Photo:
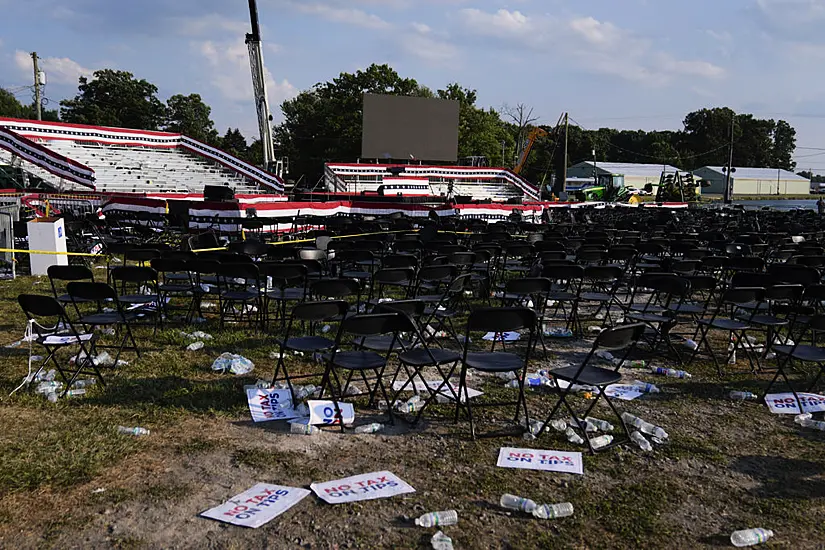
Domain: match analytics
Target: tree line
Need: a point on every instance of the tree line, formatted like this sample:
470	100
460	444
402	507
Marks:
323	124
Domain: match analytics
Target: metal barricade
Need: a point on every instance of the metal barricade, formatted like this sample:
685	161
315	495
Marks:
8	215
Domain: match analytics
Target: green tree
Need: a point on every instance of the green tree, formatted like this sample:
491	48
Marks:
190	116
234	143
10	107
115	98
784	144
324	124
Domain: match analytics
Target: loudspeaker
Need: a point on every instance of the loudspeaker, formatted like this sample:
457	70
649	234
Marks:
218	193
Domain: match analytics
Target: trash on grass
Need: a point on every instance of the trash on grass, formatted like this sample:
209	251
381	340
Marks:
361	487
440	541
553	511
538	459
195	346
268	502
236	364
136	431
437	519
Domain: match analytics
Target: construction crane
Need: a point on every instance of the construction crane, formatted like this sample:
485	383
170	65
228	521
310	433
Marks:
256	63
534	134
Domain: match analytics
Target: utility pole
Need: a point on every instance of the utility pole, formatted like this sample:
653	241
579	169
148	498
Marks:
37	99
561	186
728	195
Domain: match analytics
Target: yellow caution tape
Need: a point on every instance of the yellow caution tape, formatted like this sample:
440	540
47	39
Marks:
51	252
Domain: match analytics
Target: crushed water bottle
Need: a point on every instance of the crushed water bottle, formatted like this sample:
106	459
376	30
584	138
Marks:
512	502
304	429
646	387
643	426
353	390
440	541
573	437
807	421
553	511
558	425
601	441
584	425
600	424
413	404
369	428
440	519
302	392
691	345
509	375
234	363
672	373
195	346
76	393
136	431
750	537
641	441
742	396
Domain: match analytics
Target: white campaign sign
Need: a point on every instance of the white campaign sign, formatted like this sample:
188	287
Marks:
257	506
625	392
502	336
269	404
536	459
323	412
361	487
785	403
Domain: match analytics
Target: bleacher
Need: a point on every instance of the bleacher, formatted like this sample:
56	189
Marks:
73	157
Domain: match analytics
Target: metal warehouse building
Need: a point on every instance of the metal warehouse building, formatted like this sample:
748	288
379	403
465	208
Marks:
621	173
754	181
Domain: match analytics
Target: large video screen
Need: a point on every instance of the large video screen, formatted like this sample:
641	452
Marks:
401	127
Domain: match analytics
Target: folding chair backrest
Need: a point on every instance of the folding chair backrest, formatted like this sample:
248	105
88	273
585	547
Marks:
501	319
784	292
603	273
248	272
335	288
70	273
619	337
817	323
412	308
284	274
528	286
95	292
373	324
745	279
743	295
437	273
142	255
563	272
319	311
134	274
38	306
398	261
312	254
795	274
393	275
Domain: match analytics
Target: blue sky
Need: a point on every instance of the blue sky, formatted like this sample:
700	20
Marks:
621	63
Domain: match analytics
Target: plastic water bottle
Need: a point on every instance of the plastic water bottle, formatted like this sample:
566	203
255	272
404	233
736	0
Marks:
646	387
584	425
742	396
440	541
691	344
303	392
750	537
643	426
535	427
369	429
806	421
672	373
76	393
304	429
601	441
635	364
573	437
600	424
509	375
136	431
512	502
558	425
84	383
440	519
195	346
640	440
512	384
605	355
553	511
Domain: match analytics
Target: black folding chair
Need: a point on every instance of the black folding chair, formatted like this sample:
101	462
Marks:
175	280
241	296
621	338
137	288
496	320
53	330
67	273
102	295
802	353
305	313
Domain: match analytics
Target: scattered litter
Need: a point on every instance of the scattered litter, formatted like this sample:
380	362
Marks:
742	396
197	335
640	440
267	502
601	441
437	519
643	426
369	428
323	412
98	491
594	329
361	487
690	344
520	504
36	358
236	364
573	437
553	511
502	336
786	403
353	390
302	392
84	383
195	346
508	375
559	333
646	387
413	404
136	431
625	392
750	537
303	429
672	373
440	541
600	424
16	344
537	459
75	393
807	421
266	404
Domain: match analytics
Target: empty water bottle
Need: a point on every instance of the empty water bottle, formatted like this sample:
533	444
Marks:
304	429
643	426
136	431
84	383
605	355
440	541
584	425
573	437
302	392
558	425
750	537
512	502
512	384
369	428
742	395
601	441
76	393
691	345
535	426
640	440
195	346
509	375
807	421
553	511
440	519
646	387
600	424
673	373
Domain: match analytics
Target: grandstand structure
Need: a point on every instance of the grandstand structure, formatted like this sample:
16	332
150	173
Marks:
479	183
74	157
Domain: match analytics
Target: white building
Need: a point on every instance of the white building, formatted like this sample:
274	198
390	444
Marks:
621	174
754	181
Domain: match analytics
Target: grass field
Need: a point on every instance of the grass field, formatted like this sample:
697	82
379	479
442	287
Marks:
69	480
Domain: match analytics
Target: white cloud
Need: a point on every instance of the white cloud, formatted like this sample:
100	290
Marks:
349	16
229	73
59	70
595	46
210	25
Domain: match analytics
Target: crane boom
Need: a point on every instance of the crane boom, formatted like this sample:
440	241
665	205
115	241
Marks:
534	134
256	63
